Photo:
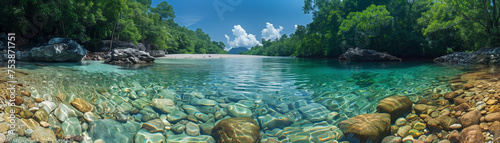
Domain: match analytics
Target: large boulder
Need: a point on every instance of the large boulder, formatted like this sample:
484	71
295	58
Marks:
396	106
364	55
472	134
57	50
158	53
236	130
128	56
482	56
366	127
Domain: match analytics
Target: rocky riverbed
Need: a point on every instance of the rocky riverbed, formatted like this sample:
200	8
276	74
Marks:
53	105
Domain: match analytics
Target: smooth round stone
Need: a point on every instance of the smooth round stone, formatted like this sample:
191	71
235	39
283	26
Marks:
314	112
164	105
367	127
238	111
202	116
392	139
30	123
121	117
82	105
148	114
43	135
4	126
90	116
85	126
269	122
41	115
112	131
26	114
192	129
54	122
206	128
140	103
455	126
204	102
71	126
401	121
207	109
183	138
239	129
178	128
44	124
143	136
48	106
64	111
28	132
154	126
403	131
176	116
3	138
125	107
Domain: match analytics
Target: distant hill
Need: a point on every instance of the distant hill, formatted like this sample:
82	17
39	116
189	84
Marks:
237	50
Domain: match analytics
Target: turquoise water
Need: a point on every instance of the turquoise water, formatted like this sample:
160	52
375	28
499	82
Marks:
258	83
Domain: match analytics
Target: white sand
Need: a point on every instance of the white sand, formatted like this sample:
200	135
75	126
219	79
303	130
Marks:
207	56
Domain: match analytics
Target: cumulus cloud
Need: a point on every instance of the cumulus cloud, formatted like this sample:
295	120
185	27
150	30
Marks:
296	27
242	39
270	32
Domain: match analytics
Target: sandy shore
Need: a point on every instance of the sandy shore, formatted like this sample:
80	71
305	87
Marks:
207	56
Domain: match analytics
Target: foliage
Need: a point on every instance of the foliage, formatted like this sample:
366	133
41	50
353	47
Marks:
413	28
91	21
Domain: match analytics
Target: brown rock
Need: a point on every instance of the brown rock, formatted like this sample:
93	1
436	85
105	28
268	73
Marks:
420	108
454	136
470	118
392	139
82	105
468	86
472	134
367	127
450	95
494	108
495	129
396	106
446	122
19	100
462	107
492	101
492	117
26	93
459	101
236	130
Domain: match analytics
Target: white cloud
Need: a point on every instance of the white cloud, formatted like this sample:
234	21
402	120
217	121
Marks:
296	27
270	32
242	39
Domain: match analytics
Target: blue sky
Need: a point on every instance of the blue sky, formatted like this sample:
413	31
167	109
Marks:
252	16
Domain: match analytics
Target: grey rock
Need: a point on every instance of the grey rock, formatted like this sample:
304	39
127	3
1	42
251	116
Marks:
129	56
365	55
58	50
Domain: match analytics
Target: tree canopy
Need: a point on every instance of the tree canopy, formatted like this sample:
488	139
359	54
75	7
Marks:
91	21
413	28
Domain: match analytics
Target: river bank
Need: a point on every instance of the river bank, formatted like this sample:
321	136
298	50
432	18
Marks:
207	56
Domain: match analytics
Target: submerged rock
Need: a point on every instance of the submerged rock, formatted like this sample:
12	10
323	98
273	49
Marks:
472	134
41	134
365	55
143	136
314	112
237	130
366	127
82	105
111	131
470	118
183	138
71	126
396	106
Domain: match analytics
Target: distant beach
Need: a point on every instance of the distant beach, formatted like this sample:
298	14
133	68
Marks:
207	56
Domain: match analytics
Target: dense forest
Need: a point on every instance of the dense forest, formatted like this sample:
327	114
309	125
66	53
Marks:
91	21
409	28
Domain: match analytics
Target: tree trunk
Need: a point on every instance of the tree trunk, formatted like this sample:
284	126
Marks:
114	29
486	18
